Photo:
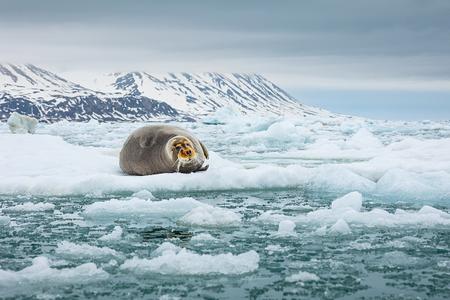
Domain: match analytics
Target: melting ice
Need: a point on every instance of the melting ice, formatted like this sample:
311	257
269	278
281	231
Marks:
290	207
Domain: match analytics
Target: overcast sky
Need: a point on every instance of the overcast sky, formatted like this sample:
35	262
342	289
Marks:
374	58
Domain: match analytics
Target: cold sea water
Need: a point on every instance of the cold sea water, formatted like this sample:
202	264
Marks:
291	208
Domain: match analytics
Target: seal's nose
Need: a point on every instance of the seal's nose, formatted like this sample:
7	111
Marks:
188	152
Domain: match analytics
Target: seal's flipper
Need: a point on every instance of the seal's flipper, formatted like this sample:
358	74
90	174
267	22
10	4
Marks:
203	168
205	151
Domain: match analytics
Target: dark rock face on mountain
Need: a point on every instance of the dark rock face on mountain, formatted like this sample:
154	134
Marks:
134	96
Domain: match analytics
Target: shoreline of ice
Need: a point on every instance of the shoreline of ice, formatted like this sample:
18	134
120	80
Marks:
345	155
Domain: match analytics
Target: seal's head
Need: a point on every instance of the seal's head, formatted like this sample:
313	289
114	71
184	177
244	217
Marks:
182	149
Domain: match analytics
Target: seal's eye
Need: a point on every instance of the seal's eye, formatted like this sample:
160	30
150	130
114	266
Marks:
178	147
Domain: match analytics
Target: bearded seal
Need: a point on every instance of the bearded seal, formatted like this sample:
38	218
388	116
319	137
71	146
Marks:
159	149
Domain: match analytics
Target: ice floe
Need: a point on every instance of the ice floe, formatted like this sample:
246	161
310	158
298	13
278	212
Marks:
340	227
286	228
302	277
339	154
30	206
67	249
40	272
136	207
115	235
426	216
351	200
180	261
4	220
208	215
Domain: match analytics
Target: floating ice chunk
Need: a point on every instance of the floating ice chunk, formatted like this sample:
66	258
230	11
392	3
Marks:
183	262
208	215
444	264
398	258
360	245
21	124
321	230
286	227
169	297
351	200
41	273
340	227
302	277
166	247
203	237
144	194
84	251
115	235
140	207
363	139
433	211
274	248
29	206
374	217
4	220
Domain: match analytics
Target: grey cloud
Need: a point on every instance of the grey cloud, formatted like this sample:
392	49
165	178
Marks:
399	40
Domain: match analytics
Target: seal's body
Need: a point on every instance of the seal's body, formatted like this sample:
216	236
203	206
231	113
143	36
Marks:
162	149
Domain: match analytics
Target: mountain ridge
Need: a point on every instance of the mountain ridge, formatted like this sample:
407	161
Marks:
139	95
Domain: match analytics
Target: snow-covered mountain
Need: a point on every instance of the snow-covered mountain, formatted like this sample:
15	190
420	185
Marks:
30	90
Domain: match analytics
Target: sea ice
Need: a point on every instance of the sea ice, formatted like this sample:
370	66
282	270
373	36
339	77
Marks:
21	124
286	227
427	216
340	227
302	276
351	200
208	215
40	272
115	235
4	220
271	249
140	207
179	261
202	237
30	206
144	194
84	251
